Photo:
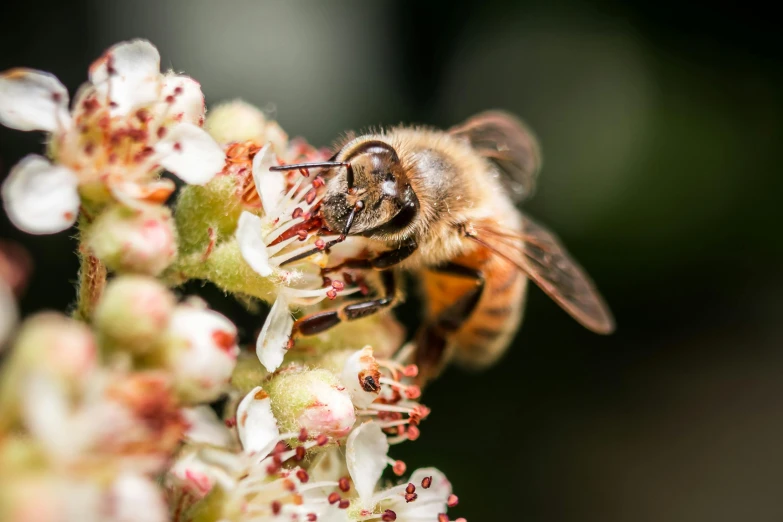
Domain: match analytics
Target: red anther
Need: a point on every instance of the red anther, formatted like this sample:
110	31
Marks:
453	500
410	488
177	146
170	99
277	460
143	115
322	439
161	132
338	285
302	233
413	392
289	343
443	517
318	182
331	294
300	452
320	244
411	370
304	172
289	485
461	519
426	482
344	504
399	468
297	212
344	484
272	469
310	196
89	148
113	104
363	288
303	435
327	281
348	278
302	475
276	507
177	90
280	447
389	516
410	497
312	517
333	497
413	432
230	423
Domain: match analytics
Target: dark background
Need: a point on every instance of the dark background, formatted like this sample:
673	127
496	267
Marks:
661	129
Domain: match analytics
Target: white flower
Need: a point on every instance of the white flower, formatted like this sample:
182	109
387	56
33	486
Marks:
204	427
362	376
425	497
125	125
204	351
256	424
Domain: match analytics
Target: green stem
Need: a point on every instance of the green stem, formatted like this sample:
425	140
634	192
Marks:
92	281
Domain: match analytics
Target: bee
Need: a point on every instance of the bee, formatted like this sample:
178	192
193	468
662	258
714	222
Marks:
443	205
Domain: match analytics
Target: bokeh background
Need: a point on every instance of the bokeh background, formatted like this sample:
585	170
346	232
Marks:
661	124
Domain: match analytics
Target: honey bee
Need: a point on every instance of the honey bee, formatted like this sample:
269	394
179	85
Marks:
442	205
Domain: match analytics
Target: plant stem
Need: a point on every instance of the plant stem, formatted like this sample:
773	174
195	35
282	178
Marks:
92	280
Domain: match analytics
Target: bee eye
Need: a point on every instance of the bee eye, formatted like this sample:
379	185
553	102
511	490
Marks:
389	176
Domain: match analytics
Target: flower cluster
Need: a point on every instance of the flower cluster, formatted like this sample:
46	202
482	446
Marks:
142	406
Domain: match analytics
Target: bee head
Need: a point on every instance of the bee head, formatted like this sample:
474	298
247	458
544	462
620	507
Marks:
371	195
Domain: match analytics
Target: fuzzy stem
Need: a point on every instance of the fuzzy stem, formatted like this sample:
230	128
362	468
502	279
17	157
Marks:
92	281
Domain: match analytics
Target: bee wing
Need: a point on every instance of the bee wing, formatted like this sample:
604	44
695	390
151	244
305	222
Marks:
509	144
543	258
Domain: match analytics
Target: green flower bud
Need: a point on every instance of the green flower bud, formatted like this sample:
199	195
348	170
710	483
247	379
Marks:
133	313
239	121
134	240
312	399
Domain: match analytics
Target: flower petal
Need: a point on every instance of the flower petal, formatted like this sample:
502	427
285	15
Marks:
190	153
250	236
33	100
129	74
47	415
430	501
272	343
269	184
256	424
187	100
366	458
136	498
361	376
205	427
41	198
137	195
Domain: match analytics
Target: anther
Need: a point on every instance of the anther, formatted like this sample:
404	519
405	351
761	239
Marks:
443	517
230	423
413	392
413	432
410	497
338	285
344	504
312	517
303	435
321	439
411	370
344	484
453	500
410	489
389	516
331	294
426	482
300	453
302	475
297	212
333	497
320	244
276	507
399	468
310	196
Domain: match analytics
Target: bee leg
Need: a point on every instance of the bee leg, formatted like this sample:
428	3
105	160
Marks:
432	337
321	321
382	261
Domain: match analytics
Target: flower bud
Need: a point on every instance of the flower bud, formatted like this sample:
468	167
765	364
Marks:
131	240
312	399
134	312
237	121
201	352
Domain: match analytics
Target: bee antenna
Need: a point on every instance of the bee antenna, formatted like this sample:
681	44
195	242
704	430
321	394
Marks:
316	165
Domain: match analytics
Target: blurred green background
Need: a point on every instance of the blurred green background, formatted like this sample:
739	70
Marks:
661	125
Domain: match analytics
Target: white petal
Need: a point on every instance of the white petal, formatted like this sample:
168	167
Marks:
134	78
256	424
430	502
269	184
136	498
250	236
205	427
359	367
47	414
190	153
188	105
366	458
41	198
33	100
272	343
